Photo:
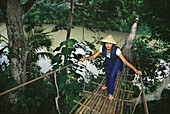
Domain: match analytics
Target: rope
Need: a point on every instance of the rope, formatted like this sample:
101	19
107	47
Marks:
56	99
12	89
137	102
144	102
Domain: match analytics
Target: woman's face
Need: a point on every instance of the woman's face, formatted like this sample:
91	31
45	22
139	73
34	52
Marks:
108	46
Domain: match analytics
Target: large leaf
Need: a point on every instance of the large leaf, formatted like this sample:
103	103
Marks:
66	51
45	54
57	59
61	44
71	42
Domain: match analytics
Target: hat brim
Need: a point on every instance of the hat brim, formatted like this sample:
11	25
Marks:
107	41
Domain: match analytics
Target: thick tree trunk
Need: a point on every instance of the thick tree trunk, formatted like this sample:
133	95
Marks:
126	48
17	43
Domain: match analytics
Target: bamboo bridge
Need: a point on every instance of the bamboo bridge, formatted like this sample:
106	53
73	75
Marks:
97	101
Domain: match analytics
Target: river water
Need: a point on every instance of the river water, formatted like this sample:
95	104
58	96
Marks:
77	33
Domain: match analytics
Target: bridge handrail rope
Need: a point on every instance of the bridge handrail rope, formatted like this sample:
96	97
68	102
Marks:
56	98
26	83
144	100
143	95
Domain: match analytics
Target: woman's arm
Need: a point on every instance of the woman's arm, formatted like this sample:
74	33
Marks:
91	57
130	65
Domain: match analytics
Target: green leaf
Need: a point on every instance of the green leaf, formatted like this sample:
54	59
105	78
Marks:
57	59
71	42
61	44
70	75
123	83
66	51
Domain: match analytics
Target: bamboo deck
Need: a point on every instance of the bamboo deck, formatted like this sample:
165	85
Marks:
98	101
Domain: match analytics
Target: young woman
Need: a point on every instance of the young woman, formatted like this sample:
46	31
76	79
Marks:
114	60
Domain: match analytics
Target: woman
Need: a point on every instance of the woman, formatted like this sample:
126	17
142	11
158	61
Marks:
114	60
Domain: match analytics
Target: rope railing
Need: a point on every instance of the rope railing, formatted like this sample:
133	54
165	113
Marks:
143	96
19	86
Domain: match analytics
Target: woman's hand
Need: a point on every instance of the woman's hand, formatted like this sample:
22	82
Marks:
138	72
82	59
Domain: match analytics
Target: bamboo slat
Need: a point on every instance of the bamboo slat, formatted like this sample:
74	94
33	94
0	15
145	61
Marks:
94	102
117	95
101	101
90	96
123	95
122	104
98	102
117	84
95	83
91	100
85	106
79	109
101	76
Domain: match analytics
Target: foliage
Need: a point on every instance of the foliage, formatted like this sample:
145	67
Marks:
150	53
92	14
44	12
37	40
99	15
156	16
31	100
69	80
98	61
6	82
143	28
105	15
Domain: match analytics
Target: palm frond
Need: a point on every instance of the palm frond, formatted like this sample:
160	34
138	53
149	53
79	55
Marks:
45	54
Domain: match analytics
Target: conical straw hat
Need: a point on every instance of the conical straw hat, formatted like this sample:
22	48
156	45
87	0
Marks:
109	39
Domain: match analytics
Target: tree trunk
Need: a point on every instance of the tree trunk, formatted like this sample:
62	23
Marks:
126	48
70	19
17	43
156	95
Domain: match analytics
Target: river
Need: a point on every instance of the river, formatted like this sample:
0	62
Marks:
77	33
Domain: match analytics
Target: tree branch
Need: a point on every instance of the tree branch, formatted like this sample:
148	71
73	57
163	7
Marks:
126	48
29	6
156	95
85	15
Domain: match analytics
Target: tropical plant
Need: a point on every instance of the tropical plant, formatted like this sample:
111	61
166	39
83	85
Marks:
70	79
150	54
37	40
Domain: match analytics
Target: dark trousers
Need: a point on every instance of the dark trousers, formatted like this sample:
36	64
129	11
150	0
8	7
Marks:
110	78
